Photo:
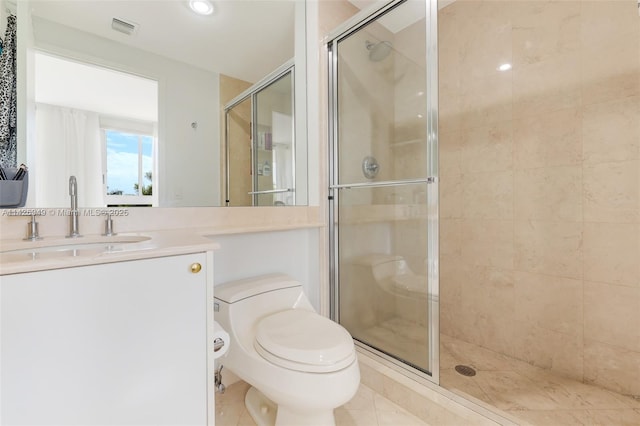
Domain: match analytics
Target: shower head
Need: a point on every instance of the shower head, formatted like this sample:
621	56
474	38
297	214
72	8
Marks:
378	51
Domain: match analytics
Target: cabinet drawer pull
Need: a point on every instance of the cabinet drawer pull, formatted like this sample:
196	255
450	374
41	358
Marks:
195	268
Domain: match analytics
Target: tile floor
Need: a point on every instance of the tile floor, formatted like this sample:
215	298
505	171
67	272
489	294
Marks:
407	337
531	394
367	408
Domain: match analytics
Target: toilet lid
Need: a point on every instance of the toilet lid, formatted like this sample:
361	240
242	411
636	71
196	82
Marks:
305	341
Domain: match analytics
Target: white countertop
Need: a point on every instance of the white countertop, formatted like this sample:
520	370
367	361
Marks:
18	256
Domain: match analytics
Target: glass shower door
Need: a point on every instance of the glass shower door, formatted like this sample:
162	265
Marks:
274	144
380	185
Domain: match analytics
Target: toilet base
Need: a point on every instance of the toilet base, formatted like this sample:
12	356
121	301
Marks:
266	413
262	409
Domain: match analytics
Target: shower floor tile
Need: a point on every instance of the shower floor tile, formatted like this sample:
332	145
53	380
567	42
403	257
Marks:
531	394
367	408
407	338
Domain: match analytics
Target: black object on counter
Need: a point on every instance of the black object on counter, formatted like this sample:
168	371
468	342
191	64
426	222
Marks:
22	170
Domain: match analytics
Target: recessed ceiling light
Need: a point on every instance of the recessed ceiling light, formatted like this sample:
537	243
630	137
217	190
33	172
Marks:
201	7
504	67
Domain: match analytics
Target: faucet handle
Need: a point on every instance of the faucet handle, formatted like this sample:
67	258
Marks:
32	230
108	226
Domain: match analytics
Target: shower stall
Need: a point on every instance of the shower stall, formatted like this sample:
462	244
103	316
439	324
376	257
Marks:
485	199
383	187
539	138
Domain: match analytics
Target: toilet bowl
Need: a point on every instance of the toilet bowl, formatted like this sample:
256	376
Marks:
298	362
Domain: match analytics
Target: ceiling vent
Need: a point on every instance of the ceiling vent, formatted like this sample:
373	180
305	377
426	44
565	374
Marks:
128	28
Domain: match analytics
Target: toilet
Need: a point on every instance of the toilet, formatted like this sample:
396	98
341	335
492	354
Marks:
301	365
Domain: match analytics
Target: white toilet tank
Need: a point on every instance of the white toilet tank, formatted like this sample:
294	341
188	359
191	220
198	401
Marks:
240	304
262	286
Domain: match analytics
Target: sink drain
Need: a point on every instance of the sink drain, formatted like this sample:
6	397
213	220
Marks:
465	370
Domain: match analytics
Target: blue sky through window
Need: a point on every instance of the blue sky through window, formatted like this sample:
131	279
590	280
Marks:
123	151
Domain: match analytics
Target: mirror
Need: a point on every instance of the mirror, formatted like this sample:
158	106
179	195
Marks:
197	63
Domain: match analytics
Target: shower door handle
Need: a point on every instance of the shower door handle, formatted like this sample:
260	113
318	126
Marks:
271	191
430	179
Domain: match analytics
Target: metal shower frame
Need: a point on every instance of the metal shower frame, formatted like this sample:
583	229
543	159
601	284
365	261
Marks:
252	94
432	182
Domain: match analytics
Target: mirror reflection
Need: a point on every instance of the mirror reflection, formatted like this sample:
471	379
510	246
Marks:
96	124
260	126
130	97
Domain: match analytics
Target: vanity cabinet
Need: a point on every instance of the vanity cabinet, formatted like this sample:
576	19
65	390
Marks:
112	344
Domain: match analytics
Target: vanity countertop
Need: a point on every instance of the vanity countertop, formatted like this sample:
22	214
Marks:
18	256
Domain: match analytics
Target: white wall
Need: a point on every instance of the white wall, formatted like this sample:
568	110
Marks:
188	158
4	5
304	123
292	252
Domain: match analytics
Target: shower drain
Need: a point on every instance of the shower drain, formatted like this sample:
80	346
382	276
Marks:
465	370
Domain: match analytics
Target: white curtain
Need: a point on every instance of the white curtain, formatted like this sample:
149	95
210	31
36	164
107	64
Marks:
67	143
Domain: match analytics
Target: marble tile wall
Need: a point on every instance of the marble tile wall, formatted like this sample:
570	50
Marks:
540	183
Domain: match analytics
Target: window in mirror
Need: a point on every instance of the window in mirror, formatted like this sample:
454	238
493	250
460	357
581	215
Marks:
129	167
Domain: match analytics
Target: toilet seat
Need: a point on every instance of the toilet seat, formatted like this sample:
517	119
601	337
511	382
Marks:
302	340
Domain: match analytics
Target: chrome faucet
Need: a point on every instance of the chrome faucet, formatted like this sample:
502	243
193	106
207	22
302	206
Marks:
74	230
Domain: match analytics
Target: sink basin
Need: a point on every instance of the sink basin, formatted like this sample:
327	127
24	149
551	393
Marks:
82	246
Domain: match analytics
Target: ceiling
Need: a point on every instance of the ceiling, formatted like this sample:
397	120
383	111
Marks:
245	39
402	17
363	4
85	87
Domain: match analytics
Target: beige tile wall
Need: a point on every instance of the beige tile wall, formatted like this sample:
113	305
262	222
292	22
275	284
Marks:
540	183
